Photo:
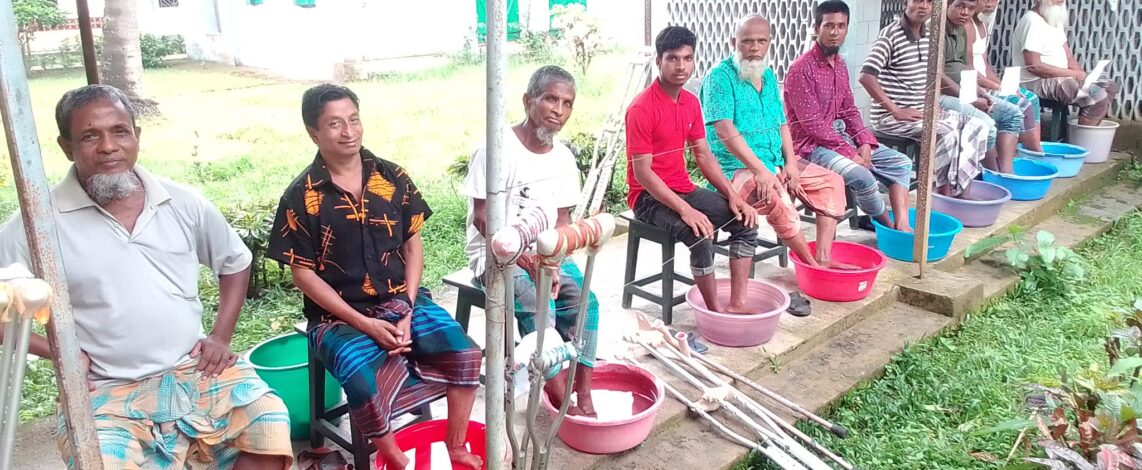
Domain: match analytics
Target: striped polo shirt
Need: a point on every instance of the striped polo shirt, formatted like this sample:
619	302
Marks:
899	61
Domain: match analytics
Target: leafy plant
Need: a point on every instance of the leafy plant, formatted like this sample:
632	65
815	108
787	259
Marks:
583	145
1043	266
537	47
459	167
33	16
253	222
155	49
578	33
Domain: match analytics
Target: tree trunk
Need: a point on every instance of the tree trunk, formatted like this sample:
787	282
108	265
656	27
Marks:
122	64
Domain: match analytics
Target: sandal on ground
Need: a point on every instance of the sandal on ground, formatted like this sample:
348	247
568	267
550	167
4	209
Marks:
322	458
799	306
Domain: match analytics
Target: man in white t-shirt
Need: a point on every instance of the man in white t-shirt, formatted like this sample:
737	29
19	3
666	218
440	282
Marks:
1049	66
541	172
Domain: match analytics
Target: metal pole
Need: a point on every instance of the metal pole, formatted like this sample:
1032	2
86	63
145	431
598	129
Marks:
43	243
12	395
87	41
928	142
647	25
497	425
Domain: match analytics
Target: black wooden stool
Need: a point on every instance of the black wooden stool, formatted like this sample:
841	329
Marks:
905	145
467	295
1060	113
766	248
635	287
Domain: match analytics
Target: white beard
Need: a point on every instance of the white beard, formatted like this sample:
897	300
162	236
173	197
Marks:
1056	15
105	188
545	135
750	70
988	20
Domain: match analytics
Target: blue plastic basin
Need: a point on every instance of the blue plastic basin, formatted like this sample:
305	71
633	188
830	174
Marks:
1031	181
898	245
1068	158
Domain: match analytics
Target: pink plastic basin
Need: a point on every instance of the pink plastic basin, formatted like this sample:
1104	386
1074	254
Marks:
608	437
421	436
838	285
740	330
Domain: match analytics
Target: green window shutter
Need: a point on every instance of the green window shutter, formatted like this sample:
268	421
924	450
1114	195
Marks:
514	26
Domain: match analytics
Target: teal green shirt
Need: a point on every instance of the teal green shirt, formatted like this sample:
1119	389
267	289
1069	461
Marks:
757	116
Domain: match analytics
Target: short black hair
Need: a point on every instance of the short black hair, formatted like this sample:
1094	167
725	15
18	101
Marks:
825	8
674	37
82	96
314	99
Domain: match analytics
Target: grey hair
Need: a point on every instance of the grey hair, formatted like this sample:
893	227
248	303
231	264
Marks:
746	20
83	96
545	76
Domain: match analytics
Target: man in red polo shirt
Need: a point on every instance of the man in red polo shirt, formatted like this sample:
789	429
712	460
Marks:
661	123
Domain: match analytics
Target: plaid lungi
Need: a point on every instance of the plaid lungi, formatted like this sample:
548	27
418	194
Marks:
379	387
183	420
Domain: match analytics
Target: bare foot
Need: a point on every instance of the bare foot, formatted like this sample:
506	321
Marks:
585	405
740	309
903	226
460	455
395	462
838	265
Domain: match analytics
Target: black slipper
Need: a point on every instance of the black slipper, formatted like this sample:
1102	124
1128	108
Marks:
864	222
799	306
692	341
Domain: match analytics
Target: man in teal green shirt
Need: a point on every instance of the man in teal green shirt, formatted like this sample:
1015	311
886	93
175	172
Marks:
742	107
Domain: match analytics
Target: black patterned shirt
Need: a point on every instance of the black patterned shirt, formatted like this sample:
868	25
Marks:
354	246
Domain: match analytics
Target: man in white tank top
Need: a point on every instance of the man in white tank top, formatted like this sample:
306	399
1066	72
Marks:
979	38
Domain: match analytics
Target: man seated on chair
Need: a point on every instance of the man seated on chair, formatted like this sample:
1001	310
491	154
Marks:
541	172
895	77
661	123
979	36
164	393
1006	117
1039	45
349	229
827	127
743	109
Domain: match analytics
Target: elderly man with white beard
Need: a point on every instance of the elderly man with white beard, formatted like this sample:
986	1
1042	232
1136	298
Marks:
1050	70
165	394
742	107
541	172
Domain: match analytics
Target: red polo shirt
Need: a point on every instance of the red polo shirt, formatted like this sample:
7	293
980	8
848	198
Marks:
659	126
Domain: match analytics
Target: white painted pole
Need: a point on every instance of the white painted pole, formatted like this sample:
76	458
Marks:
495	293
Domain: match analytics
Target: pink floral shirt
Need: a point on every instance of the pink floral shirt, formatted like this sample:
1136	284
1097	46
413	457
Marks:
816	95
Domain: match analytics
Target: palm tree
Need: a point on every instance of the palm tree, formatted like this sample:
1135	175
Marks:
122	64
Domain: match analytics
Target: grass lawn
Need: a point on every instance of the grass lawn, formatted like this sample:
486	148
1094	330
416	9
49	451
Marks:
238	137
935	396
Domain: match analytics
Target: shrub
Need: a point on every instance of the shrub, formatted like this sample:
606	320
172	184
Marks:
578	34
155	49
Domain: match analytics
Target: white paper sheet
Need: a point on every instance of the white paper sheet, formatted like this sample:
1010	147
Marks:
612	405
438	456
1009	84
1113	5
1094	75
969	86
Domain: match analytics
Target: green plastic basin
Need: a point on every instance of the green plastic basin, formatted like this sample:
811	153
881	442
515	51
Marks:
282	362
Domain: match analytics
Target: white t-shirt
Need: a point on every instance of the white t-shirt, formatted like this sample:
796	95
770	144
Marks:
1034	34
134	294
549	180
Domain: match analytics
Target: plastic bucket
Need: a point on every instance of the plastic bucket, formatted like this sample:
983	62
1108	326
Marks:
898	245
1031	181
980	207
283	363
421	436
1067	158
740	330
840	285
1096	139
593	436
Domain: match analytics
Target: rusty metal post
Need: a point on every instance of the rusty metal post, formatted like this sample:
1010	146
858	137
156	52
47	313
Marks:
87	41
43	243
647	26
928	142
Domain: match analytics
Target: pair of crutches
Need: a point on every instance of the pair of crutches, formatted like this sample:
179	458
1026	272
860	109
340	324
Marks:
22	299
553	245
777	440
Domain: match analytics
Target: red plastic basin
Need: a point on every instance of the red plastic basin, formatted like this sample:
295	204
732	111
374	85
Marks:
421	436
838	285
608	437
740	330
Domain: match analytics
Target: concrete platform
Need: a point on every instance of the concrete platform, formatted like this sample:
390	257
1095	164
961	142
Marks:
816	359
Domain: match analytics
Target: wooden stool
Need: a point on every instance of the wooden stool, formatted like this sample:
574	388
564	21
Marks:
905	145
634	287
1060	113
467	295
766	248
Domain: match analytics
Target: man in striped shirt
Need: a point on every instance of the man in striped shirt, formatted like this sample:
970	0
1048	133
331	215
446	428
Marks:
895	76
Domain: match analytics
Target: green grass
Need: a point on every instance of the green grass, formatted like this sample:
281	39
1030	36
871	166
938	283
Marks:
933	398
238	136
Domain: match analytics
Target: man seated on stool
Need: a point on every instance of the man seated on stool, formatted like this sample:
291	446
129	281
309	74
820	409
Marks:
541	172
743	109
895	75
349	229
827	127
164	393
1039	45
661	123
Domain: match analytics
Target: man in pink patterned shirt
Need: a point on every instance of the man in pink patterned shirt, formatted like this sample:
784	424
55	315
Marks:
827	128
